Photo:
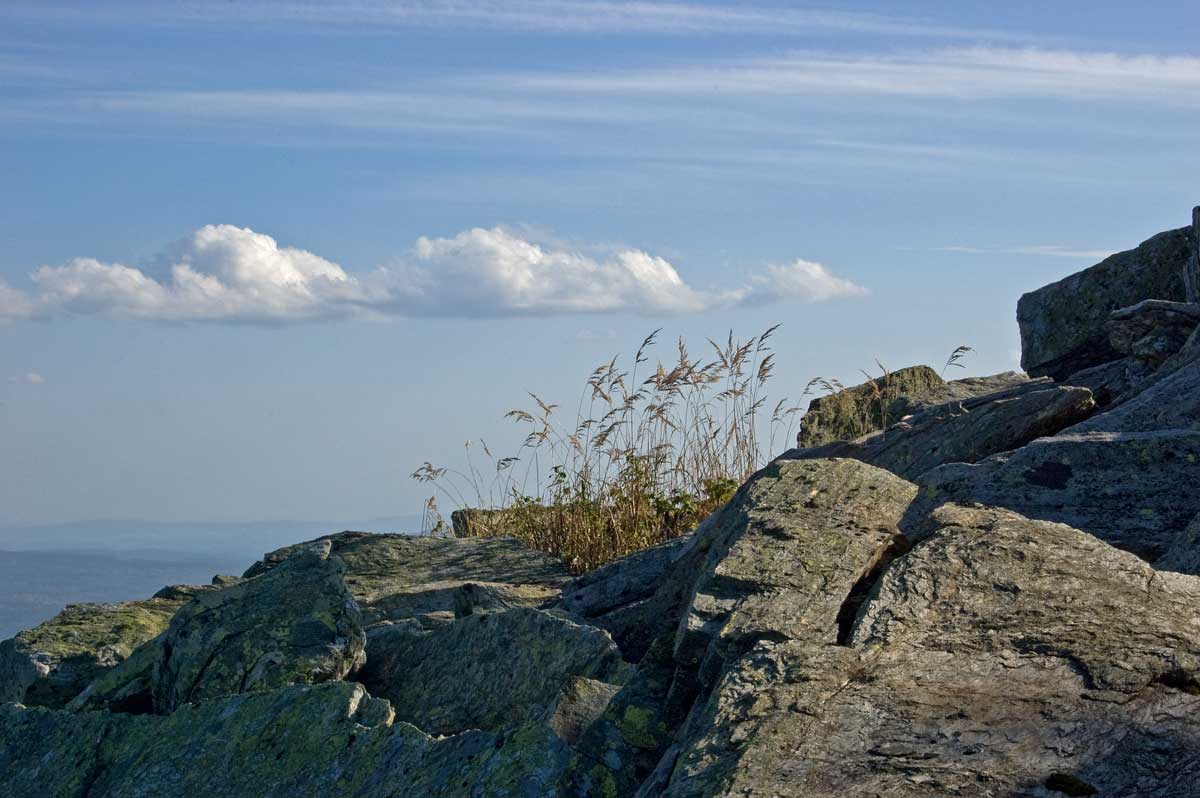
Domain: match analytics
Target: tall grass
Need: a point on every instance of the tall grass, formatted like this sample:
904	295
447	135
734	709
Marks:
650	451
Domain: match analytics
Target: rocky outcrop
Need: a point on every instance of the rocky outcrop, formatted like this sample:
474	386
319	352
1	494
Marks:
1113	382
993	627
1064	325
1135	490
394	577
294	624
1153	329
295	742
853	412
784	556
485	671
635	597
965	431
52	663
1000	657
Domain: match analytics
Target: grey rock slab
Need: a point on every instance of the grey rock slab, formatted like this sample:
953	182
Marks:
1183	555
1153	329
294	624
859	410
52	663
580	704
1064	325
1000	657
785	555
295	742
965	431
393	577
1134	490
485	671
1170	401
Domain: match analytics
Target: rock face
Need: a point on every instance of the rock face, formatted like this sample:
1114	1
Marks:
1135	490
1153	329
1001	657
485	671
785	555
296	742
1167	402
965	431
394	577
854	412
1064	326
295	624
52	663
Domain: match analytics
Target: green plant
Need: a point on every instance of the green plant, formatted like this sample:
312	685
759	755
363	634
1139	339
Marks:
650	452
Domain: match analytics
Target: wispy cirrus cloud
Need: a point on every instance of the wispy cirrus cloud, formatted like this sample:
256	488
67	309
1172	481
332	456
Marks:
227	273
1039	250
531	103
962	73
563	17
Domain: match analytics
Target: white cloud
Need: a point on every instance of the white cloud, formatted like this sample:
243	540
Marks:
14	304
543	16
1040	250
960	73
28	378
222	272
806	281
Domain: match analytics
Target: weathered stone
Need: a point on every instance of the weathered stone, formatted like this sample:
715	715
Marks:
295	742
393	577
1001	657
295	624
578	706
1169	402
1064	324
1114	382
620	597
484	671
619	751
1135	490
785	554
1153	329
52	663
862	409
1183	555
964	431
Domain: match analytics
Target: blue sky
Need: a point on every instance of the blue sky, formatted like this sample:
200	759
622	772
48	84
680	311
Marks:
261	259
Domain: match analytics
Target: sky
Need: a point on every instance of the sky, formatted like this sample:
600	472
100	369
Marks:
260	260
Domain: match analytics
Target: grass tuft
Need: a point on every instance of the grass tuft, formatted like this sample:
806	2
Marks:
651	451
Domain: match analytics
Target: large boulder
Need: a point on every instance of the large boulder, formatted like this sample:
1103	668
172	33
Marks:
295	742
394	577
294	624
1134	490
486	670
1001	657
53	662
965	431
785	555
1064	325
853	412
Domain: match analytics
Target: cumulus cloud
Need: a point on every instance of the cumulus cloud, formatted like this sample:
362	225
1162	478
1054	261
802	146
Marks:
223	272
